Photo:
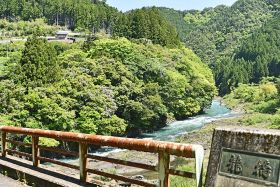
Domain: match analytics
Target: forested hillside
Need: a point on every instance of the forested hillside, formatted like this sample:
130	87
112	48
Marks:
146	23
216	34
84	14
94	16
234	41
108	86
257	57
189	20
176	18
220	32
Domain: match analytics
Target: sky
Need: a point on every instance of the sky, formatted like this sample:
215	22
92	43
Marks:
126	5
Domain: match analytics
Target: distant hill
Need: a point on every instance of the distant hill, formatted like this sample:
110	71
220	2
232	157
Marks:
188	20
176	18
216	34
221	32
257	57
94	16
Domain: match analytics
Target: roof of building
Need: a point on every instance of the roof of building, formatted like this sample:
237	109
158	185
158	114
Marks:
62	32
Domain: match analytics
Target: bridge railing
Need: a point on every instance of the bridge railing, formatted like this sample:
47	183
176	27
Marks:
164	150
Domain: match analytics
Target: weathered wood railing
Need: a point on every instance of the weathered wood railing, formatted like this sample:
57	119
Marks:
164	150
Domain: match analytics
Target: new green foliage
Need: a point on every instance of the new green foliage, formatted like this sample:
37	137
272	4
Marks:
174	74
261	103
25	28
113	88
219	31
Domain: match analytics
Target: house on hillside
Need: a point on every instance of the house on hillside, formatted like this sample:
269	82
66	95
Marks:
65	36
62	35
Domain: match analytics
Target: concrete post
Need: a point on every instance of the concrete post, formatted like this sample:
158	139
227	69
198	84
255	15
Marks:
199	155
163	168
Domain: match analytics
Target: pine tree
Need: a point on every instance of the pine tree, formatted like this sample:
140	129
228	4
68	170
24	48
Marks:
38	64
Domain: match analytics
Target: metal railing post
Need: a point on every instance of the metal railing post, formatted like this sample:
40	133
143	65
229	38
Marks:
83	150
35	150
163	169
3	143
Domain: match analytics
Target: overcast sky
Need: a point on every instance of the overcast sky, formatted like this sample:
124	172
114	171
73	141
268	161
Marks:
126	5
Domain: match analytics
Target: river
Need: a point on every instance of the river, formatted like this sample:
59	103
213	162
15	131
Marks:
176	129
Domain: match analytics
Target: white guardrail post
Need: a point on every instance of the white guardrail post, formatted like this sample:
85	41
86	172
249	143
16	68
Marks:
199	156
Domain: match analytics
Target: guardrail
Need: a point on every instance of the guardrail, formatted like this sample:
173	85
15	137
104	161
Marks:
164	150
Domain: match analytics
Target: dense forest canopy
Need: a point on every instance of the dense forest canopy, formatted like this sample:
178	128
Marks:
147	23
231	41
71	13
108	86
213	33
94	16
219	36
221	30
257	57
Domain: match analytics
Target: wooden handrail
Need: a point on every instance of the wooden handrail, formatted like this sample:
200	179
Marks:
164	150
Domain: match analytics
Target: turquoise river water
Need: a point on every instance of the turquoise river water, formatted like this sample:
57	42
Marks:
176	129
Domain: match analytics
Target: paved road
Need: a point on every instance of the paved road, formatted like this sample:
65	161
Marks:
8	182
11	40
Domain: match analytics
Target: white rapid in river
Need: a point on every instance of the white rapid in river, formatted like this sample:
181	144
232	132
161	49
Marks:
176	129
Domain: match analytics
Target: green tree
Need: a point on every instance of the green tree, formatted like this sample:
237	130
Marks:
38	64
147	23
